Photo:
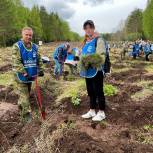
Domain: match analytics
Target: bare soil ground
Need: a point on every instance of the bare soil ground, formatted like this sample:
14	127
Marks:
127	129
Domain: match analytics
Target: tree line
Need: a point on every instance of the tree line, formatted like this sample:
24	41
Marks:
138	25
47	26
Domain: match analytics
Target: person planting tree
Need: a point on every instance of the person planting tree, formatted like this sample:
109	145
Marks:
27	65
94	63
59	57
72	60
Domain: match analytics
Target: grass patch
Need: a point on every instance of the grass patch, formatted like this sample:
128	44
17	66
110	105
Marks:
148	128
142	95
145	138
103	124
49	86
149	68
76	89
146	92
73	90
47	142
110	90
6	78
145	134
115	70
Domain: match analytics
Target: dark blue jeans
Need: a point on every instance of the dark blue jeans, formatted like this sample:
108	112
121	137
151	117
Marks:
58	67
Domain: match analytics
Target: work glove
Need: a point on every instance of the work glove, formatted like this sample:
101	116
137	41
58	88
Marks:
41	74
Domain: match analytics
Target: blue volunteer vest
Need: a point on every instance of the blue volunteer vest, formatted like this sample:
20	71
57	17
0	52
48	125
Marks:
60	55
29	61
147	49
89	49
70	57
135	50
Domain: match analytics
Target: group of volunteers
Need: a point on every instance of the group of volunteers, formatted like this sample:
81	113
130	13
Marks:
142	48
94	65
139	48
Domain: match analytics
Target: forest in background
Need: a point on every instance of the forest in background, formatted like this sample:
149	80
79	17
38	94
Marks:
47	26
138	25
50	27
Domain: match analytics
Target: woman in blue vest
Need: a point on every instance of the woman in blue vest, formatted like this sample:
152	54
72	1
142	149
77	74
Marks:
59	56
93	44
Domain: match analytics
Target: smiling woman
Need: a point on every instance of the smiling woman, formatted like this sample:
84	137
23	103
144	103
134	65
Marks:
92	61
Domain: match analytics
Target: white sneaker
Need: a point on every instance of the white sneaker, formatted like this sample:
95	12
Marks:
99	117
90	114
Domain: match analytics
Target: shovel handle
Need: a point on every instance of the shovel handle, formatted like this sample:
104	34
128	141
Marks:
39	101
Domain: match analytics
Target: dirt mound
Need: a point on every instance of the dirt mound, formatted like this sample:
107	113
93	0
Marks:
69	108
7	95
74	141
147	77
5	68
7	111
17	133
129	76
8	132
136	148
9	124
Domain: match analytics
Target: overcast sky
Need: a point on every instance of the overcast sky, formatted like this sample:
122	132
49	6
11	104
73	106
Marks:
106	14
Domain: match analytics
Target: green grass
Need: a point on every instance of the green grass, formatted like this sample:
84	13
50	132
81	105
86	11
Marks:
110	90
76	89
6	79
116	70
73	90
144	135
149	68
145	138
148	127
142	95
147	90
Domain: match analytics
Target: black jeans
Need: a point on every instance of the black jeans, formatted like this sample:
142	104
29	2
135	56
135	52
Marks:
95	91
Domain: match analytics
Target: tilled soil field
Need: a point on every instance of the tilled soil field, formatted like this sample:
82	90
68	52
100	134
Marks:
128	127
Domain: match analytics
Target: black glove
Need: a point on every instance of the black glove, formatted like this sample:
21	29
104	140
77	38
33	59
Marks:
41	74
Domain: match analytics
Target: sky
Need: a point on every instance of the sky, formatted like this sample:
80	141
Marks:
107	14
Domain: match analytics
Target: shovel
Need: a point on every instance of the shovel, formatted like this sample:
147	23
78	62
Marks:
39	101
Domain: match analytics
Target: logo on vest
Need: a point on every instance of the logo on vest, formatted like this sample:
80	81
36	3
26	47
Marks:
89	50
